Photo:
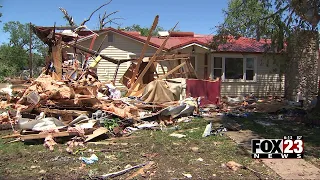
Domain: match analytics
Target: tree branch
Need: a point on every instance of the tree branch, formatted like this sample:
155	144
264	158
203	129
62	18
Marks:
102	19
67	17
86	20
275	13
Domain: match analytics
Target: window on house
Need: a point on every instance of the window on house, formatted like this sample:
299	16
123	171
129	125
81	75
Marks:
217	67
233	68
250	69
110	37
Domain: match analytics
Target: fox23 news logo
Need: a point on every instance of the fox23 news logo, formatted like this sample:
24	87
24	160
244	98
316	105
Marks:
290	147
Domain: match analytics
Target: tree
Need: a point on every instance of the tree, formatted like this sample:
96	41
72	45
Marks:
103	20
0	13
20	37
143	30
282	21
12	60
236	18
19	41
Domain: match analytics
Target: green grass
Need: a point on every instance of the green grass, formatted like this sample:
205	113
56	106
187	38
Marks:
286	127
175	156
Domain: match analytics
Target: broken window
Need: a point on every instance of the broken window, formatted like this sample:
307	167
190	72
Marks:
110	37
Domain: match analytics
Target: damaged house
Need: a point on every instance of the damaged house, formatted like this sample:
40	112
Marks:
242	64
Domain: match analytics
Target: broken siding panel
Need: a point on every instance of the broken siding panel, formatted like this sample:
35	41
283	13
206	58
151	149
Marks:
106	70
126	46
120	48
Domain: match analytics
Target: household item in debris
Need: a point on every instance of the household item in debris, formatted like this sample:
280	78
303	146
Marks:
33	97
219	130
80	118
114	93
173	110
92	159
207	130
187	111
39	125
177	135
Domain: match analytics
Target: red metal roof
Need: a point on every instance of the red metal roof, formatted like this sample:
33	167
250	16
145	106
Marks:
234	45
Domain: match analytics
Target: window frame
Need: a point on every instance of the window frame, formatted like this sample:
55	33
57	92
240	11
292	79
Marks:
244	57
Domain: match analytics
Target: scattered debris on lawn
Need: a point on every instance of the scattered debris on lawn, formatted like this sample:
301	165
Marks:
90	160
118	173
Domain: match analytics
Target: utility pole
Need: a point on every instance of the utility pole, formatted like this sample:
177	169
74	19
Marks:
30	52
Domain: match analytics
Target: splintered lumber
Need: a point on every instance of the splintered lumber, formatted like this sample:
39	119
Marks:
150	63
153	27
96	133
115	174
11	136
61	112
57	60
172	71
141	171
44	135
92	52
116	73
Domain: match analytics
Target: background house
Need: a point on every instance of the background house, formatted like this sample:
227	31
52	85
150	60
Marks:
242	64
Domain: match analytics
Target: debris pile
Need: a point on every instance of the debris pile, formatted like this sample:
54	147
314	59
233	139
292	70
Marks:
68	99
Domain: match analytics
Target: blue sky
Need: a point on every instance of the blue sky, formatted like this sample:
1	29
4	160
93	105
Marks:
199	16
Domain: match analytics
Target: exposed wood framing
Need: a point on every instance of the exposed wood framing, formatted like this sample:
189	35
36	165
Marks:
57	60
172	71
150	63
145	47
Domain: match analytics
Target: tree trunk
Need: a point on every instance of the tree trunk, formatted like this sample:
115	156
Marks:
302	69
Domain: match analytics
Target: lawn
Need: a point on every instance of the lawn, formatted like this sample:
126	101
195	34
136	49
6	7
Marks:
269	128
203	158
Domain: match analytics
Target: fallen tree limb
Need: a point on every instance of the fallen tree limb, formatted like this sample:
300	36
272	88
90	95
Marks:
115	174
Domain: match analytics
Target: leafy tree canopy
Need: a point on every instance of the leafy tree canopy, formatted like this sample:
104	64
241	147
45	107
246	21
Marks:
267	19
15	54
144	31
0	13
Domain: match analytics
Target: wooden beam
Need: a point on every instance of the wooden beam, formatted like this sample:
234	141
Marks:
164	72
57	60
92	52
136	70
57	28
61	112
116	73
170	67
44	135
150	62
172	70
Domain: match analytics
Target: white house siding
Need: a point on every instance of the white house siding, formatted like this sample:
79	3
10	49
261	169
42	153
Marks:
121	48
268	82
